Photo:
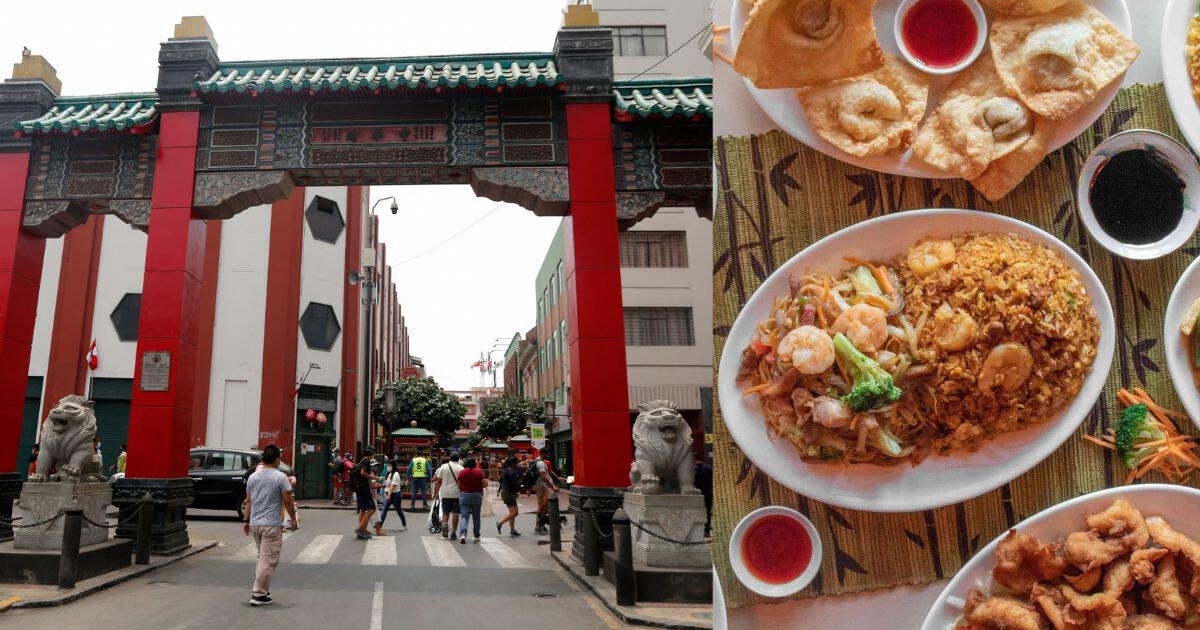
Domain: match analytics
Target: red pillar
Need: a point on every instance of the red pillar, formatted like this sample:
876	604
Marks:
348	411
71	336
596	325
208	317
281	329
20	277
160	423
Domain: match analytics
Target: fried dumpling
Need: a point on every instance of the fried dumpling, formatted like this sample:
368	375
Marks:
1005	172
975	124
1022	7
1057	61
794	43
871	114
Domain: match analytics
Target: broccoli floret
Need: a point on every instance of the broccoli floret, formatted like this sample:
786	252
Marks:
873	386
1137	423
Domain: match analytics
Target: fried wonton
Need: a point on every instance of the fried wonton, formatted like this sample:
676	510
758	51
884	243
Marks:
1003	174
975	123
794	43
1057	62
871	114
1022	7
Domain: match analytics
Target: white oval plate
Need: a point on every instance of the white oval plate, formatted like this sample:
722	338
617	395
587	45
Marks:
1176	81
1186	290
1179	505
938	480
783	107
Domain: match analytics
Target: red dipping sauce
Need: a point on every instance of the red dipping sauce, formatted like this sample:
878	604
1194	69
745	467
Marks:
776	549
939	33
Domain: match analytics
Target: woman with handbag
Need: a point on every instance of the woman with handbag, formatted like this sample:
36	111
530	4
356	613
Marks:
393	497
510	487
471	483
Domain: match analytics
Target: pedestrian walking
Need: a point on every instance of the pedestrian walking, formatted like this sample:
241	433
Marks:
122	458
98	455
445	487
33	456
510	487
703	482
267	492
361	480
471	483
393	496
418	473
543	486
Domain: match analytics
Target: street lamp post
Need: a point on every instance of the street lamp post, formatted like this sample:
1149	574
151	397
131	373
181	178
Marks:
368	299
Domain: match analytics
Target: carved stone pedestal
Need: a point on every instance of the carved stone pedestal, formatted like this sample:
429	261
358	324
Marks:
169	499
43	500
606	500
675	516
10	489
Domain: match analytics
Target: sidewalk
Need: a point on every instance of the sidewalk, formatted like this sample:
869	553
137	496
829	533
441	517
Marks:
43	595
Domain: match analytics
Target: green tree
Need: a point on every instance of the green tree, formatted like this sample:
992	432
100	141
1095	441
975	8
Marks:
474	443
423	400
507	416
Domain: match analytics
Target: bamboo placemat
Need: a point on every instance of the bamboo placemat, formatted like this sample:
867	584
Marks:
776	196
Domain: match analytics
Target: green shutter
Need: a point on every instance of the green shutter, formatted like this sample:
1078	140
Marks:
29	422
112	397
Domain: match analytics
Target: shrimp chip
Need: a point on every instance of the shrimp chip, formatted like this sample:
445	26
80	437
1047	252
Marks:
793	43
872	114
975	124
1022	7
1058	61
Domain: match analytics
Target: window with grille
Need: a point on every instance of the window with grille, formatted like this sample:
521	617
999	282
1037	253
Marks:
646	248
659	326
640	41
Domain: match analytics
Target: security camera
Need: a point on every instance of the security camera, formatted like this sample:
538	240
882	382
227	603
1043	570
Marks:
395	207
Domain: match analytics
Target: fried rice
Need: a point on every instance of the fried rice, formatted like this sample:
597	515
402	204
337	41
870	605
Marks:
1017	291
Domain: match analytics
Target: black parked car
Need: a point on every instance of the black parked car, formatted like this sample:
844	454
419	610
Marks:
219	476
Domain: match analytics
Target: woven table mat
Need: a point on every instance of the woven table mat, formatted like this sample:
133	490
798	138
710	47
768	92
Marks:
775	196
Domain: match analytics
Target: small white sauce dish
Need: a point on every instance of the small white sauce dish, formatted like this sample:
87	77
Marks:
766	588
981	30
1175	154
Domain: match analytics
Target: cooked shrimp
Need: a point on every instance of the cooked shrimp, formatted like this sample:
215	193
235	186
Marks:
928	256
831	412
953	329
809	348
1008	365
864	325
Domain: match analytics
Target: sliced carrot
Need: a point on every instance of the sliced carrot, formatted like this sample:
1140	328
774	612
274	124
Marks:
1099	441
857	261
882	277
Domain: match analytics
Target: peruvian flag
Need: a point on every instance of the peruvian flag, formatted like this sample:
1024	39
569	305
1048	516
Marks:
92	357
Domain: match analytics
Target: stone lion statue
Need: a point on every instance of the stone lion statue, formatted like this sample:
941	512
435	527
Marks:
66	443
662	456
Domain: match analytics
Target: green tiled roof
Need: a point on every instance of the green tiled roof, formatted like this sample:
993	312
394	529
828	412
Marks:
495	445
94	113
412	432
520	69
665	97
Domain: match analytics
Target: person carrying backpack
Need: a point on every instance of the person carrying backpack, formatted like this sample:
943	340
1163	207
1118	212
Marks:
445	487
361	481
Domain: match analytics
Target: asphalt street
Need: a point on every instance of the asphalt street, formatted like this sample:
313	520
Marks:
329	579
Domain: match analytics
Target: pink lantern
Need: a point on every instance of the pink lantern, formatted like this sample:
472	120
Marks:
321	419
310	415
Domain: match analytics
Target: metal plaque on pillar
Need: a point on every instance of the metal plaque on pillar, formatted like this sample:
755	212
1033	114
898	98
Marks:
156	371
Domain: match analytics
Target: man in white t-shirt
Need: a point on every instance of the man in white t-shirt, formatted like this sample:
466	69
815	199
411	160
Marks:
445	486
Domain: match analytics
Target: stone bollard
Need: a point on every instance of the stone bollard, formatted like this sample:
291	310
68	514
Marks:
145	521
625	580
591	541
68	561
555	523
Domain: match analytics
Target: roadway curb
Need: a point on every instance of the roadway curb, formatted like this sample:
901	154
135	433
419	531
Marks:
626	614
102	583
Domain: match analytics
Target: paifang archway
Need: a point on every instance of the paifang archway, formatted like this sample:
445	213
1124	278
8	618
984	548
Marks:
548	131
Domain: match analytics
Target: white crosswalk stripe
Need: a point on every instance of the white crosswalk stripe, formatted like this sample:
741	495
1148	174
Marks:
320	550
504	555
441	552
380	551
249	553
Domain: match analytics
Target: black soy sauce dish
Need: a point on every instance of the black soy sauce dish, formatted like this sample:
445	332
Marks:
1139	194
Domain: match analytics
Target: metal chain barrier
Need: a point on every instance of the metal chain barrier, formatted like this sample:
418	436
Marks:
119	523
12	522
652	534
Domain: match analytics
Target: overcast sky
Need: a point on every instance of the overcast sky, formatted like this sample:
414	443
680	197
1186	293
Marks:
458	298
